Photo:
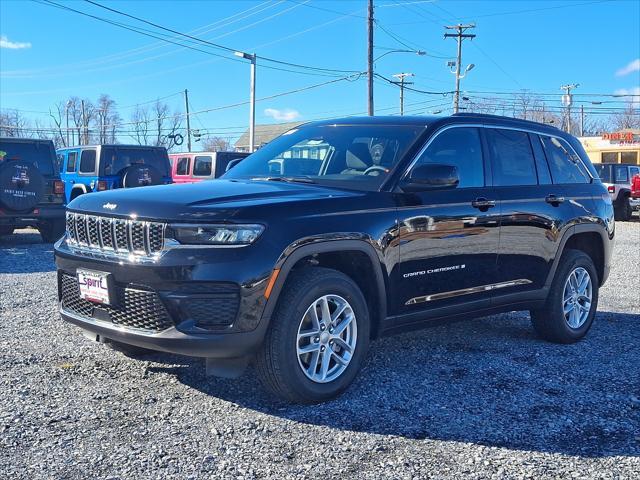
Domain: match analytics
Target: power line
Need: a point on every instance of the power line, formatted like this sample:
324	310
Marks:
216	45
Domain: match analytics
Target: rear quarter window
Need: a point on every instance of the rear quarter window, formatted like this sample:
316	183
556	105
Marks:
202	166
88	161
565	166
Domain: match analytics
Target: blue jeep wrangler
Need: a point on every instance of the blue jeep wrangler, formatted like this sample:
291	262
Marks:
95	168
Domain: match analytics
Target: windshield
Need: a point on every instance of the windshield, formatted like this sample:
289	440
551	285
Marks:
115	159
353	156
41	154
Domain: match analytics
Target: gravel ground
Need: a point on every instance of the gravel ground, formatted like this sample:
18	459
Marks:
477	399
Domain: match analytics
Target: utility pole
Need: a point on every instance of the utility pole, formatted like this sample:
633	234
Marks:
402	83
582	120
370	59
186	107
567	100
66	111
460	36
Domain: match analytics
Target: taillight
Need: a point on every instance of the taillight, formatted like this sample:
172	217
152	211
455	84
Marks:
611	189
102	185
58	187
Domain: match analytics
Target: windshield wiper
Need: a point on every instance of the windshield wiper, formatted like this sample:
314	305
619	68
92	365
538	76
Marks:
285	179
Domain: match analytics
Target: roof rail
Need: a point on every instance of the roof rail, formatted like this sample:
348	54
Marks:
501	117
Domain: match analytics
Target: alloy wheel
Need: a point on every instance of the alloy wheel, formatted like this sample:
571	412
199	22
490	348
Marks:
326	339
577	297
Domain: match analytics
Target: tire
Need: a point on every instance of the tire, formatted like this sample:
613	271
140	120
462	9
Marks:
52	231
278	364
550	322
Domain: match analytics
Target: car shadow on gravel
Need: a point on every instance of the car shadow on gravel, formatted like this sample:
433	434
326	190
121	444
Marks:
488	381
25	252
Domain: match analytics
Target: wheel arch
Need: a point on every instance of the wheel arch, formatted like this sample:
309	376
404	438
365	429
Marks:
589	239
77	190
364	267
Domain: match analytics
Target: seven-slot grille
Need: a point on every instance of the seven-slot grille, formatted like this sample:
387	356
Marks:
115	235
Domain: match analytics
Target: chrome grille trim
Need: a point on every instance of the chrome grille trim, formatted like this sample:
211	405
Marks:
109	236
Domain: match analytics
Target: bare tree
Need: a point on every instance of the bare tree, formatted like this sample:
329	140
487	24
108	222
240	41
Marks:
14	124
140	125
216	144
107	119
628	118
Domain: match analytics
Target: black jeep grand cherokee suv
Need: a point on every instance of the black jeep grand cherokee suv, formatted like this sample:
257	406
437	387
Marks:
339	232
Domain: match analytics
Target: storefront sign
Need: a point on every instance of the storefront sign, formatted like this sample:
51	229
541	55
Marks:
621	137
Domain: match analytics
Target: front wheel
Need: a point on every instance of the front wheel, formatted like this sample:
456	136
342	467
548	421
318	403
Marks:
572	302
318	337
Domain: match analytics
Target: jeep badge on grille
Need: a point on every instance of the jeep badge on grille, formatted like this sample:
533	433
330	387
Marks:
109	206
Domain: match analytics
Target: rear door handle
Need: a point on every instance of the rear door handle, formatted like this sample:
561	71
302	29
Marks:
483	204
553	200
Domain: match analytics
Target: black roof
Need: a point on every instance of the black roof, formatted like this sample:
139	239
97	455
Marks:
432	119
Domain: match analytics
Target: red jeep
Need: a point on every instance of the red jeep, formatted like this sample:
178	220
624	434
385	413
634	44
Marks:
635	187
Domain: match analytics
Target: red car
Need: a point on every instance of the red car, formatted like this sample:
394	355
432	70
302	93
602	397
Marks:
635	187
197	166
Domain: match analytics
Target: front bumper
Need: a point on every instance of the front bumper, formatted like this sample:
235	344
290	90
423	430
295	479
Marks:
221	345
42	213
165	305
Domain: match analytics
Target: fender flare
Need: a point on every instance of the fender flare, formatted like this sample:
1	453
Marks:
570	232
78	186
290	258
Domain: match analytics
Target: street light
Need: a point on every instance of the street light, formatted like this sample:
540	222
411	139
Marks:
252	97
420	53
455	69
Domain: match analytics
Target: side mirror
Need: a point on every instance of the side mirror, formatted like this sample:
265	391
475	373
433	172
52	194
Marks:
431	176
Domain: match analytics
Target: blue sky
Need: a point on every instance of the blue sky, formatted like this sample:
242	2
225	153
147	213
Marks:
49	54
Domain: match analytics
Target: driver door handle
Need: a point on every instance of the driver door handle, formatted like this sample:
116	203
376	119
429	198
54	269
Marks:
483	204
554	200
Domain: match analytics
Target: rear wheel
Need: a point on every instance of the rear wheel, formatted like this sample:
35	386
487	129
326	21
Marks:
52	230
318	337
572	302
623	210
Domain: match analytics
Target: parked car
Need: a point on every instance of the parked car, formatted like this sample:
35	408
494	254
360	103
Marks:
94	168
31	192
617	178
635	188
402	222
197	166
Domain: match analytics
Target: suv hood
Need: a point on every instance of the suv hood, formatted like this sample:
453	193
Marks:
211	200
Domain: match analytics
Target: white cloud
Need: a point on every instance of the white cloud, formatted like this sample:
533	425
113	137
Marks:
634	66
6	43
285	115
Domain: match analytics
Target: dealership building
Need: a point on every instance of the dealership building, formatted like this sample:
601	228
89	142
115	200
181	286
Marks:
615	147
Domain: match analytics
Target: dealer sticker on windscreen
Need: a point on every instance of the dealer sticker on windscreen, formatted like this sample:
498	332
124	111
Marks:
94	286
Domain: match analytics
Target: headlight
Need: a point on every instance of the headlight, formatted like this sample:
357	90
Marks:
215	234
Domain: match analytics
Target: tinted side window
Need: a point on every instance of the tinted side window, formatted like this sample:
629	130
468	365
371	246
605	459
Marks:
544	175
564	165
182	168
621	173
462	148
202	166
88	161
60	161
634	171
512	157
71	163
